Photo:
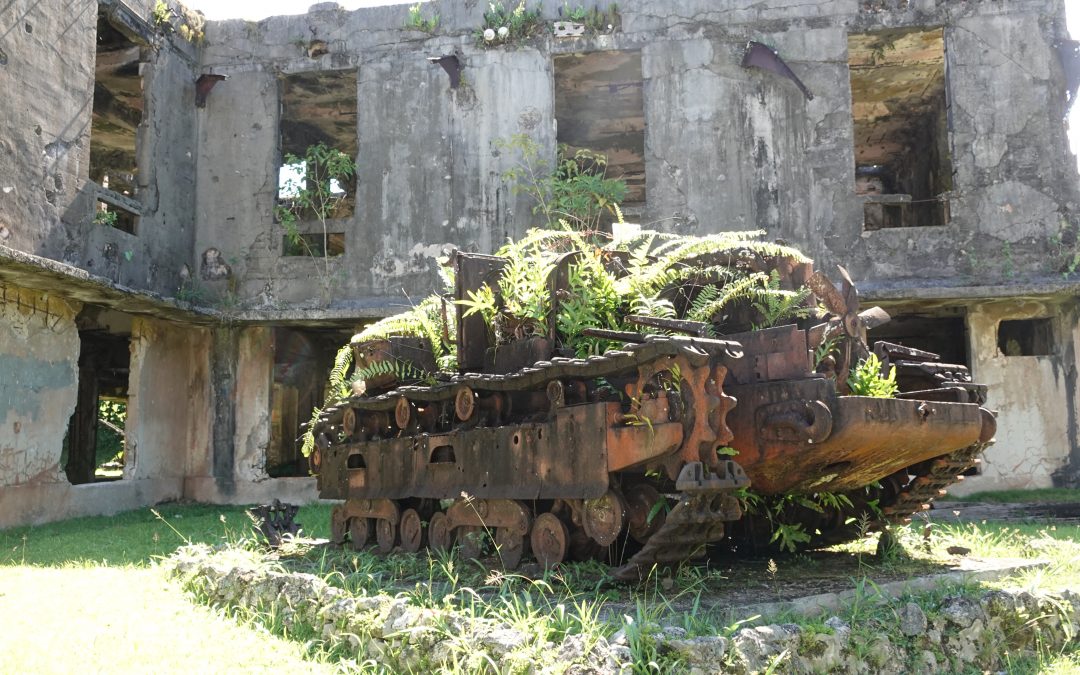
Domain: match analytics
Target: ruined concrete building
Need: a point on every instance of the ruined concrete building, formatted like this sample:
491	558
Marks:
921	143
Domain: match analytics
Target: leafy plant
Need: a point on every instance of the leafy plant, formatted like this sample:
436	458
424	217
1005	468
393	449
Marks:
337	388
161	14
576	189
314	190
417	21
502	26
866	379
105	218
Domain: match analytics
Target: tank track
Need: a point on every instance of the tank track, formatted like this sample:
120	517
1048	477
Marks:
704	500
930	482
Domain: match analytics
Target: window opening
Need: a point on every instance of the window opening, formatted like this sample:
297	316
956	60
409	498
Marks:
314	245
599	107
96	438
946	336
1026	337
317	109
118	108
302	357
903	165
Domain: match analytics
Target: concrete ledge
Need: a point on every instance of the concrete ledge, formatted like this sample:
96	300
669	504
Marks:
41	503
292	490
816	605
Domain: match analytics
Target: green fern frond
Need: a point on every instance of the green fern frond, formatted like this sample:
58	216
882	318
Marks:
746	287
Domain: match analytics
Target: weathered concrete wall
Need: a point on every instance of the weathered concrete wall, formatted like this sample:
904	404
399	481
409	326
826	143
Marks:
169	401
47	56
1033	396
39	354
167	423
726	147
246	481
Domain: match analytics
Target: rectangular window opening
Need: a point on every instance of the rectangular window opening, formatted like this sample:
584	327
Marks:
302	357
946	336
314	245
599	107
899	103
94	448
118	108
116	216
1026	337
316	178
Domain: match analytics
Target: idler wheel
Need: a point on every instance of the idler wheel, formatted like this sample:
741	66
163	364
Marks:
403	413
359	532
510	545
472	542
412	531
440	537
550	540
386	532
348	422
556	394
643	501
603	518
464	404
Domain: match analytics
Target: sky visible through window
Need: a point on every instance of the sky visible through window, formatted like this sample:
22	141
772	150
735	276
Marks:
254	10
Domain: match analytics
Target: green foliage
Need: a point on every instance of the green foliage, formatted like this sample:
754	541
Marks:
109	439
576	189
866	379
315	195
417	21
337	388
105	218
502	26
428	319
161	14
403	371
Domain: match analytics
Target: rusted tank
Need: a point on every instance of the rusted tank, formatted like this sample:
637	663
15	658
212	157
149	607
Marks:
646	451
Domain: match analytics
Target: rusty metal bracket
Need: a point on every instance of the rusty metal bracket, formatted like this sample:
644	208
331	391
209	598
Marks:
758	55
274	521
694	477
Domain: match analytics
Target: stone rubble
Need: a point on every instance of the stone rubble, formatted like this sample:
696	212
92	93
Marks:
959	633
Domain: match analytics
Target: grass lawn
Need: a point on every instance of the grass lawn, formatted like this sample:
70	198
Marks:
85	595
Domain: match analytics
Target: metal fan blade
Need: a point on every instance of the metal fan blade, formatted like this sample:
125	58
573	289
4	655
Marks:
825	290
851	294
874	317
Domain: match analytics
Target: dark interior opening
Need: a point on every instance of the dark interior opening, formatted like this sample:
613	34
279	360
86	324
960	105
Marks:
302	358
903	165
1026	337
315	244
318	108
117	112
946	336
96	437
599	106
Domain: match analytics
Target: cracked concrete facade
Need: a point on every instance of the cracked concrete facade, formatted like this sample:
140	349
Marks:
725	147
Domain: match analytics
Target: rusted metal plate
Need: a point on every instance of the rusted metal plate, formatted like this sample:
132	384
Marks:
772	354
563	458
472	271
870	438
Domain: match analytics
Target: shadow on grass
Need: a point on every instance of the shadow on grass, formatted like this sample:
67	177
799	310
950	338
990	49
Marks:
137	537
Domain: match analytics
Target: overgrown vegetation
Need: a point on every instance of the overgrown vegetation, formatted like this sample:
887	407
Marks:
314	190
595	20
503	26
866	379
417	21
576	190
